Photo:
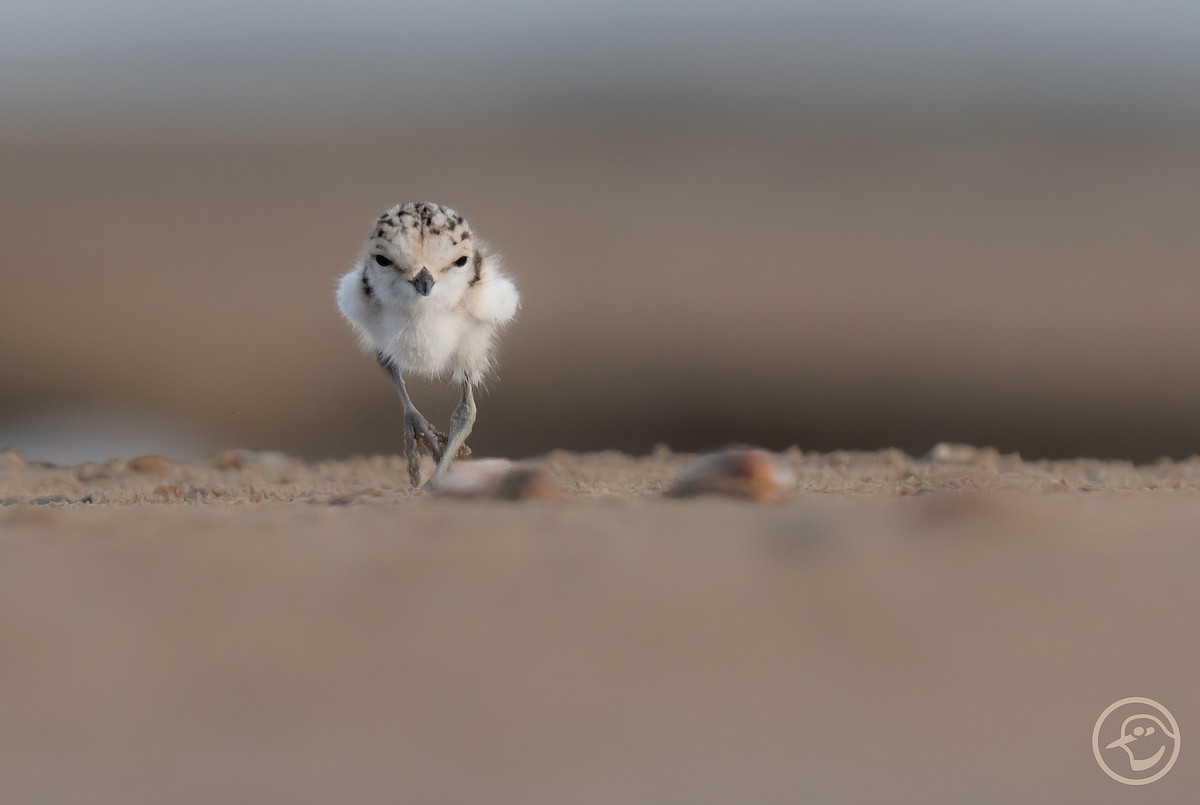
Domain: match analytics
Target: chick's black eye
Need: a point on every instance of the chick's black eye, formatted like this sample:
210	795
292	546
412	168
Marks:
462	261
383	261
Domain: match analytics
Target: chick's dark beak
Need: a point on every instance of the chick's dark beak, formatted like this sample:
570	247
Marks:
423	282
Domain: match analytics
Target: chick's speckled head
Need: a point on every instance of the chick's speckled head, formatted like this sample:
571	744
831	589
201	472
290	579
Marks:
420	235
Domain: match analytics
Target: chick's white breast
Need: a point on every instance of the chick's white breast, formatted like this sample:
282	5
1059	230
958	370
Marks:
426	343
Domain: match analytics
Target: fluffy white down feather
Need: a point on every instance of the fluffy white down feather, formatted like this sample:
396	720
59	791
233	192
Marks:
454	328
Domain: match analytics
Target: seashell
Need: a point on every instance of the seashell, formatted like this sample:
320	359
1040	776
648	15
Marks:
497	479
747	474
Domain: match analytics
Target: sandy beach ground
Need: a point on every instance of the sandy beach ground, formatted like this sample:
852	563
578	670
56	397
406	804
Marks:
901	630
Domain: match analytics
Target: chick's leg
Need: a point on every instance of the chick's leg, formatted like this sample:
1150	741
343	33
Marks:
461	422
418	433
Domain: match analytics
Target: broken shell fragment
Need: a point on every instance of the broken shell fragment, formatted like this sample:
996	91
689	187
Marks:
497	479
747	474
528	483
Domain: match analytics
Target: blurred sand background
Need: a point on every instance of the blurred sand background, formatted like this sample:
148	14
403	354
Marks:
828	225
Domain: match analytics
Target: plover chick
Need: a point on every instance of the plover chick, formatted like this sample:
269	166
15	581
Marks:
428	298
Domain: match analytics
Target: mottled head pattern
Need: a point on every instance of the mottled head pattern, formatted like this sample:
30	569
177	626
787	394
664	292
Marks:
421	235
426	294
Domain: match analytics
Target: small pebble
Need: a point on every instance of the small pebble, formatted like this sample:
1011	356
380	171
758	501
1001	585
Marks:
748	474
239	459
150	465
12	461
230	460
954	453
